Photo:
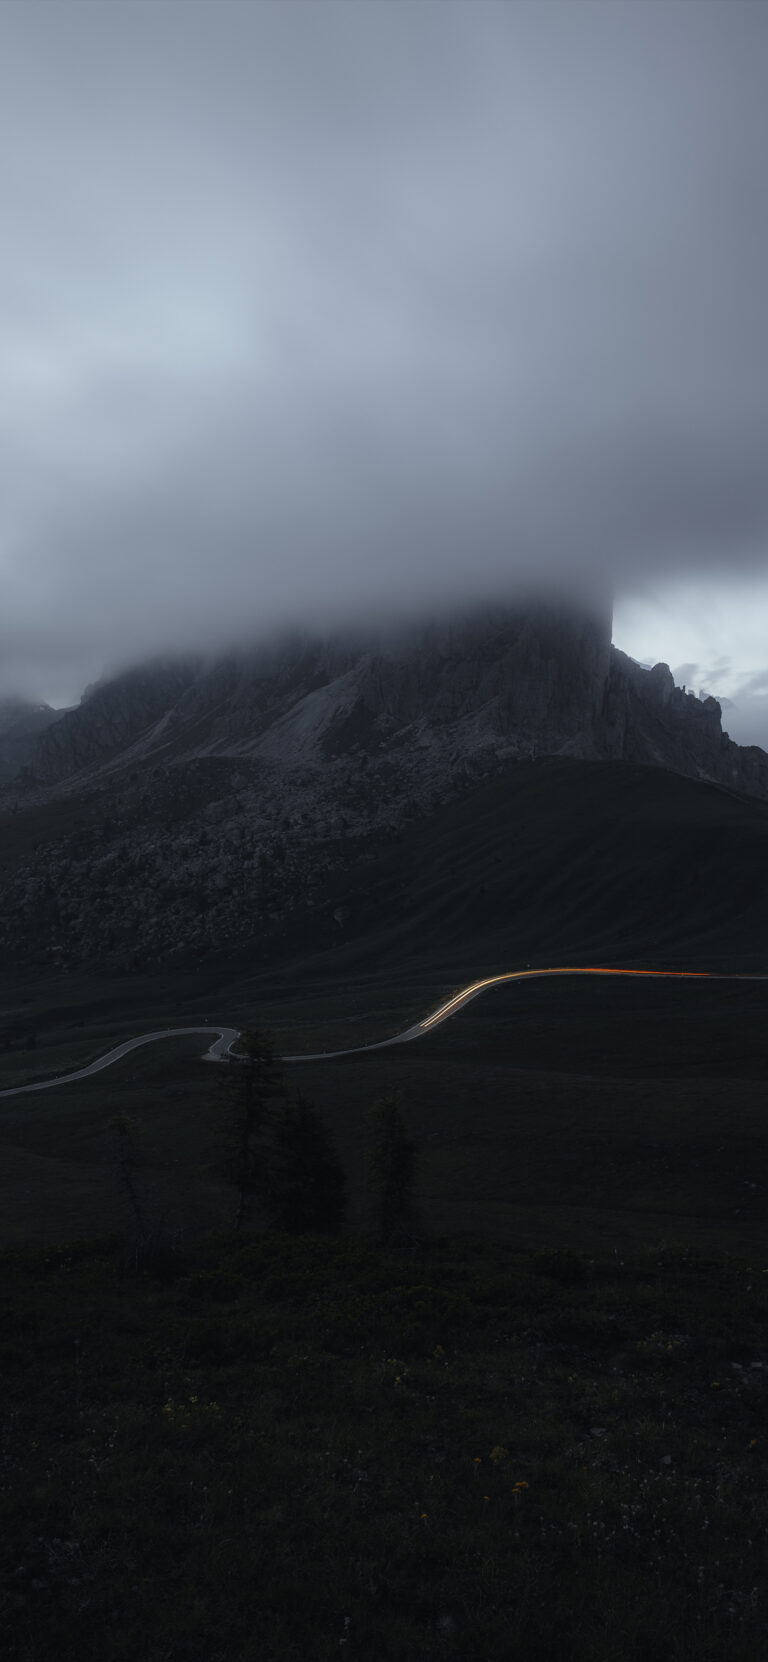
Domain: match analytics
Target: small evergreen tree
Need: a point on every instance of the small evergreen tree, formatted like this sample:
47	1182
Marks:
300	1180
391	1167
250	1084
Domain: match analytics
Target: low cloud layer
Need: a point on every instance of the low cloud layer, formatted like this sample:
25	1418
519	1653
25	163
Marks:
311	309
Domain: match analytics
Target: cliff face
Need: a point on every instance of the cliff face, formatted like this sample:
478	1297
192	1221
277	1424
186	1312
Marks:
21	723
493	685
109	719
647	719
534	677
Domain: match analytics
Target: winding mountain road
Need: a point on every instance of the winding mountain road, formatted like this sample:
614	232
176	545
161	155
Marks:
221	1049
217	1052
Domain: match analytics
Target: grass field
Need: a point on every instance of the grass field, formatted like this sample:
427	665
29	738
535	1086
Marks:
537	1430
294	1448
580	1113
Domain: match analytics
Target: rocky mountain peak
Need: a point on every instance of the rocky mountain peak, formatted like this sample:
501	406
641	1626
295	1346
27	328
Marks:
490	685
215	797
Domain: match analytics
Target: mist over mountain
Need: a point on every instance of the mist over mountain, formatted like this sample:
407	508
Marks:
192	802
375	305
488	684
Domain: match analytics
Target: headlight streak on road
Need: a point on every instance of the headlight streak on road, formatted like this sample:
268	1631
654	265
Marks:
226	1037
457	1001
475	987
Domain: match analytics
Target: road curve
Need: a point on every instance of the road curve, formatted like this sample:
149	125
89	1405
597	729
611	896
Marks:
465	994
217	1052
221	1049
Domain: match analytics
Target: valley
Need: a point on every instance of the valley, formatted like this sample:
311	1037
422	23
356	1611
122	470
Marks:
553	861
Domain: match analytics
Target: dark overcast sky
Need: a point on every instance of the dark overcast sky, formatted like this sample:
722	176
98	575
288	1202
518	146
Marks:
305	307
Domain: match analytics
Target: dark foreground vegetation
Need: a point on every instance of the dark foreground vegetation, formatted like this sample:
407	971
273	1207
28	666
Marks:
587	1114
283	1447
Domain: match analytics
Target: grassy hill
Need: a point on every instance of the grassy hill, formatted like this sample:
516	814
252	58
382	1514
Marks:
556	862
536	1429
567	1111
561	861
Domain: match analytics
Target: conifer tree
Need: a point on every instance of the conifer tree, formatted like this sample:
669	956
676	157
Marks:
300	1180
251	1083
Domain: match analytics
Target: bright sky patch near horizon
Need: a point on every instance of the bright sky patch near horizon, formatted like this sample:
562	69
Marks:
714	637
313	310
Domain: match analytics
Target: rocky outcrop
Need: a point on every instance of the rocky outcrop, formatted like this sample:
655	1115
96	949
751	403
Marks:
492	685
647	719
21	724
111	717
535	674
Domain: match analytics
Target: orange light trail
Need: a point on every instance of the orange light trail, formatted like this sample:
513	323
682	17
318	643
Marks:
475	987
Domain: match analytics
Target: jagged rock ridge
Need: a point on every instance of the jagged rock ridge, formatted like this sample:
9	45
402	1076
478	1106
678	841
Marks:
647	719
217	797
514	681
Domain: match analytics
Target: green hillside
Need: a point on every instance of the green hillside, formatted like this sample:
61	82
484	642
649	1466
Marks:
557	862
